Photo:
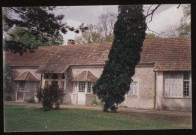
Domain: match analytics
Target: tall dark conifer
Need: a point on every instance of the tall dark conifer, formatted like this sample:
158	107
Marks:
129	34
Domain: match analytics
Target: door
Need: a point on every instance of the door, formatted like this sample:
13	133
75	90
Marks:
20	93
81	98
81	93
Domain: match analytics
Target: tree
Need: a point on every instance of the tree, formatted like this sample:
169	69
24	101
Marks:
184	29
7	79
92	35
49	96
129	34
101	32
106	21
28	39
38	20
151	36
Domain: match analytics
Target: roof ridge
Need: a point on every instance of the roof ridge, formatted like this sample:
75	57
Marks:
27	75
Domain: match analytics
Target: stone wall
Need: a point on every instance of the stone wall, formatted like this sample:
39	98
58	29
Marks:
145	76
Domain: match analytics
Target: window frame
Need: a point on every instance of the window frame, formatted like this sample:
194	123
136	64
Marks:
185	80
129	93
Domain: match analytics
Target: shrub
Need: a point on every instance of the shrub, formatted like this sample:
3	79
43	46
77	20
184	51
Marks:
50	96
8	98
31	100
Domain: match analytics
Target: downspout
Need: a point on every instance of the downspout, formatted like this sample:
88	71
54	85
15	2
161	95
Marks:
41	81
155	90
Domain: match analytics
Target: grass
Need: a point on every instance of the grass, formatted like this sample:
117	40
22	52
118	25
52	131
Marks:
25	118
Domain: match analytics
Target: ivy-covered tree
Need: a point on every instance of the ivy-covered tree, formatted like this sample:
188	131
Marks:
129	34
41	21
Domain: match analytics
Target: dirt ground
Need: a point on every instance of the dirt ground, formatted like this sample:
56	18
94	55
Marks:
154	116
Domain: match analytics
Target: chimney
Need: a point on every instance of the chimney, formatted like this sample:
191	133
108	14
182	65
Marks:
70	42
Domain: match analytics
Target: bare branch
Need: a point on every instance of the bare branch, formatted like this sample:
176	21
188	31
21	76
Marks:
179	5
152	31
153	12
149	9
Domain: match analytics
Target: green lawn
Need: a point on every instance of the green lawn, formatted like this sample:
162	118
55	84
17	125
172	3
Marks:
24	118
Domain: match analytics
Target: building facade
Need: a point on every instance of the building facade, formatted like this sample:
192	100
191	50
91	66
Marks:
162	79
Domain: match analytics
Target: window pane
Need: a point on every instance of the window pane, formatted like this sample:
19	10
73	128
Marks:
63	76
89	87
54	76
81	87
46	76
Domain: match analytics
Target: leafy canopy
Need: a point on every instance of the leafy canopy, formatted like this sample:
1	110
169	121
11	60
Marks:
39	21
129	34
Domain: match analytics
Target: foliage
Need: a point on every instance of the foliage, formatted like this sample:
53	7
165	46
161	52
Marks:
184	29
31	100
28	39
129	34
40	21
7	75
8	98
151	36
92	35
101	32
49	96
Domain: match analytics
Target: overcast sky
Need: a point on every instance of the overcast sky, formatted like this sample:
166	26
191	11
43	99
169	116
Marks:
166	15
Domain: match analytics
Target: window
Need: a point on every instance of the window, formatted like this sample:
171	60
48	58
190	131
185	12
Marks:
21	85
54	76
81	87
177	84
46	76
63	76
89	87
186	84
133	89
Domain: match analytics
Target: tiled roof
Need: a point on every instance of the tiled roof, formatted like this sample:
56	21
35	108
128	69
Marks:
26	76
38	58
168	54
85	76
